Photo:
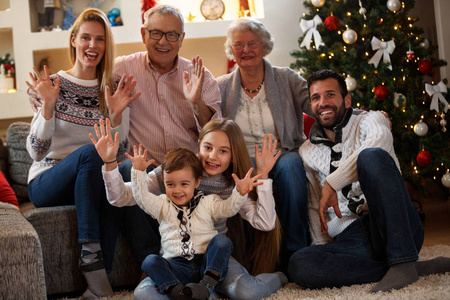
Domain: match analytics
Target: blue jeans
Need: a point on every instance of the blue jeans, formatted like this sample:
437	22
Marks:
139	228
76	179
236	285
166	273
391	233
290	192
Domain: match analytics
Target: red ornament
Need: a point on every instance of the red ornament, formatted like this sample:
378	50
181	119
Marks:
424	158
331	22
410	54
425	66
381	92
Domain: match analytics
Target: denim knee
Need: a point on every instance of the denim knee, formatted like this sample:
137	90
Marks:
150	261
371	155
89	153
299	268
221	241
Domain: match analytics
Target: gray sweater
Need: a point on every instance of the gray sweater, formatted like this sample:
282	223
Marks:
288	98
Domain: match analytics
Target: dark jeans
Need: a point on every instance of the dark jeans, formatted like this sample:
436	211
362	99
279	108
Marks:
140	229
76	179
169	272
391	233
291	197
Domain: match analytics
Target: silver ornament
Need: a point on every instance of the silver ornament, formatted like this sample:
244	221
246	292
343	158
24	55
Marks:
349	36
318	3
393	5
421	128
446	180
351	83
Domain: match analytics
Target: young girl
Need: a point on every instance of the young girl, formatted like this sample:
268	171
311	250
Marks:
222	152
66	167
192	249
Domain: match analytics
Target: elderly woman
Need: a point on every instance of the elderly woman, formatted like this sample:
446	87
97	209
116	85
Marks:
265	99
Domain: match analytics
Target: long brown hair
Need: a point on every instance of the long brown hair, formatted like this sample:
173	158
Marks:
256	250
105	67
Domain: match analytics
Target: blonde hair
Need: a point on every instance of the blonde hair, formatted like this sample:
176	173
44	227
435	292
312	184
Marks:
105	67
256	250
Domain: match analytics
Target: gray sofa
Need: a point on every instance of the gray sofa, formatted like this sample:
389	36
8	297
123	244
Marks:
39	251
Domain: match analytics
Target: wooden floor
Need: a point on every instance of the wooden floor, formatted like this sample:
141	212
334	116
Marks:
437	216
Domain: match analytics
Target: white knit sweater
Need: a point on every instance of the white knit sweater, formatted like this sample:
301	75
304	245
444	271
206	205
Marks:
200	223
359	130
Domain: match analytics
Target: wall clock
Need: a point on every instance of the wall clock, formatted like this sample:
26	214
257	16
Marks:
212	9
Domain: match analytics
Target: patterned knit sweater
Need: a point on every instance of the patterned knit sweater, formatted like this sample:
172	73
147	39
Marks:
76	112
335	162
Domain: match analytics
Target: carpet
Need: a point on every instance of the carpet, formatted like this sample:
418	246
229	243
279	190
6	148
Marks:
427	287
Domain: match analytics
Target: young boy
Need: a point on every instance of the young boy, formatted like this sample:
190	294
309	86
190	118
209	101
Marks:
192	249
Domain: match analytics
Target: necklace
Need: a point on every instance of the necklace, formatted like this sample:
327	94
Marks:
253	91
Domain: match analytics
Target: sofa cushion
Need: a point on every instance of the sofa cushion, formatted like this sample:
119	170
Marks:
19	159
21	264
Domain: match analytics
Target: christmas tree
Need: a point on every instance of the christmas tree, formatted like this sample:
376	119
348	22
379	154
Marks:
388	66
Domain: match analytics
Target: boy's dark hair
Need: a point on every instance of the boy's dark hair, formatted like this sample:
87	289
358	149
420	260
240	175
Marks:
325	74
180	158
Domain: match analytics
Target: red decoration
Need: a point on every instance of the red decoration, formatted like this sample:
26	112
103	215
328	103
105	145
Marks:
331	22
410	54
424	158
231	66
425	66
146	5
381	92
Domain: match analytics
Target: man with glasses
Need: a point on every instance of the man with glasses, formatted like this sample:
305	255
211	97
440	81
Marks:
178	95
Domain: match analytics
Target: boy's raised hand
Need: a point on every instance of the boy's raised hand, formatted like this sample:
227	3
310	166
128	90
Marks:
139	159
266	158
105	145
245	185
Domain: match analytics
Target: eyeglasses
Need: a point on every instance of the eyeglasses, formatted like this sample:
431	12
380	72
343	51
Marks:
251	45
158	35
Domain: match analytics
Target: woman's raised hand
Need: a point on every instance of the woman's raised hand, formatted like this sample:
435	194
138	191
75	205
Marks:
139	159
245	185
121	98
266	158
105	145
45	90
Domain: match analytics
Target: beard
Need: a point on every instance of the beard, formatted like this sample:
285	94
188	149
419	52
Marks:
331	121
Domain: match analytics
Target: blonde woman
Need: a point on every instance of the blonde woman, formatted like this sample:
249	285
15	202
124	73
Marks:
66	168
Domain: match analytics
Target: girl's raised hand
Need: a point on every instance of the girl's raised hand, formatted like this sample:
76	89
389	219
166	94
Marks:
139	159
266	159
121	98
105	145
245	185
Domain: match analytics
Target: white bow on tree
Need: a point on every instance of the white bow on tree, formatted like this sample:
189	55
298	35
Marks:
436	91
309	26
383	49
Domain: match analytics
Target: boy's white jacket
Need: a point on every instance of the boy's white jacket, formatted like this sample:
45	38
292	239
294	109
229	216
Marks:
200	222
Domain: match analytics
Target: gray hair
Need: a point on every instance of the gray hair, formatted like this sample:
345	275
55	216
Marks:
248	24
164	10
